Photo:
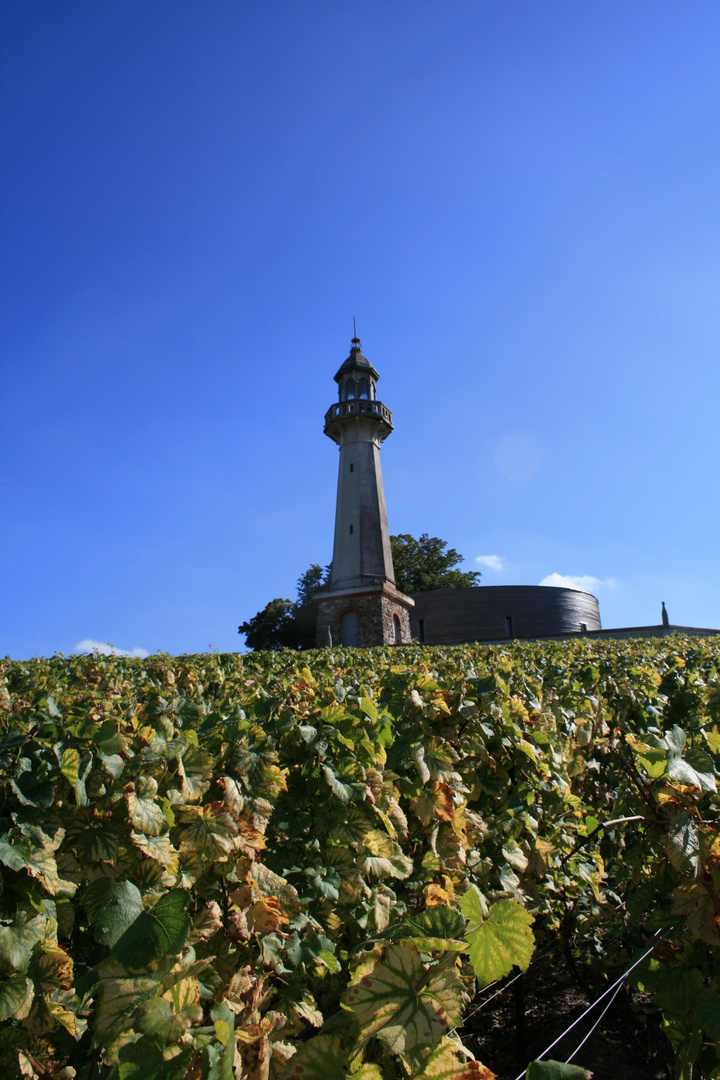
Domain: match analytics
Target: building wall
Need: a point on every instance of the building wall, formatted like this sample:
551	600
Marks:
374	610
452	616
364	554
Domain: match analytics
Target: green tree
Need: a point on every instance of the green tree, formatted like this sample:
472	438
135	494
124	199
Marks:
306	607
284	624
272	628
428	563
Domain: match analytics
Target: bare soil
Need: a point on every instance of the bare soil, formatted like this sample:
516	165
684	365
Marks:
519	1024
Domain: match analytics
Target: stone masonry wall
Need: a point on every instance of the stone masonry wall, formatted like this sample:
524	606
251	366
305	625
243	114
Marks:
375	619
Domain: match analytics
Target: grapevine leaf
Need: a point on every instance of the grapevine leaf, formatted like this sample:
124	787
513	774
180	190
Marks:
33	791
113	764
70	764
681	842
17	943
369	708
556	1070
212	833
219	1060
156	1017
402	1006
14	855
385	858
144	1060
435	804
435	928
119	995
16	994
703	768
354	827
121	905
515	855
446	1063
157	847
322	1058
418	756
674	989
707	1012
196	772
145	814
156	933
503	941
342	791
95	841
695	901
271	884
368	1071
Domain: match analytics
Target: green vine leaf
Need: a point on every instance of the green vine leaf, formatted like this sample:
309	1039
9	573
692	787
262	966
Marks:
120	907
161	931
681	842
18	941
556	1070
502	941
16	995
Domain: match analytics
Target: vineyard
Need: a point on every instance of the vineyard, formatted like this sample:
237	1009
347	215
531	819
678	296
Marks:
307	866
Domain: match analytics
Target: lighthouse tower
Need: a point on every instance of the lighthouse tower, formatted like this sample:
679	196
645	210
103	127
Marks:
361	605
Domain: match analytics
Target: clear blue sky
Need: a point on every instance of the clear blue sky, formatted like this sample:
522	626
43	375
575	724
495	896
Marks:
519	200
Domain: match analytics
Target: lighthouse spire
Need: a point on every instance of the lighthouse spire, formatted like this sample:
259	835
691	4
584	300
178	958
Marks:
362	605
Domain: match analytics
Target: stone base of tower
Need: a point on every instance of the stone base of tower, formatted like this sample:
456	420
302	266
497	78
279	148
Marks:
364	616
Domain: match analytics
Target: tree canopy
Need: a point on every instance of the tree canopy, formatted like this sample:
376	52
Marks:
428	563
284	624
420	565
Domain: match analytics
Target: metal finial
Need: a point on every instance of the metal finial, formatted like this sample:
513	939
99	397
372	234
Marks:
356	339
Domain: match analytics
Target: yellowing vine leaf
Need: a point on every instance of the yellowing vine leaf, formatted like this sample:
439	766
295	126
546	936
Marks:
384	857
119	995
448	1063
145	814
212	832
407	1008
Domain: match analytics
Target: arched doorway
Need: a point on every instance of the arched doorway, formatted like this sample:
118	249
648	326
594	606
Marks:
397	629
349	628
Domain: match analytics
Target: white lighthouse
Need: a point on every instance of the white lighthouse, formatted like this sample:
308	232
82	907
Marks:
361	606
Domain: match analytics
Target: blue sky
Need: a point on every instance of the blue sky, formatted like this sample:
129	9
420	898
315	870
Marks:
519	200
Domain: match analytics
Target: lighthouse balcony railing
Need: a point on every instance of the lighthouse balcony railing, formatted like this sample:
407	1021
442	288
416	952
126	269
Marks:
358	408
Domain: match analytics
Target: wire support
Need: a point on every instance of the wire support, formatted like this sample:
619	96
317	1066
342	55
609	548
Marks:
502	989
658	937
579	1047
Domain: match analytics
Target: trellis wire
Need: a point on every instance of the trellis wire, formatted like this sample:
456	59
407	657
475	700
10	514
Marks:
616	986
502	989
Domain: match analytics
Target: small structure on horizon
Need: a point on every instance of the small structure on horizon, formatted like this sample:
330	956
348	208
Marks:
361	605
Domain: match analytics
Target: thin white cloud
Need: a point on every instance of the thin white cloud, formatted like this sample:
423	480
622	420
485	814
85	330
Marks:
106	649
586	582
493	562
